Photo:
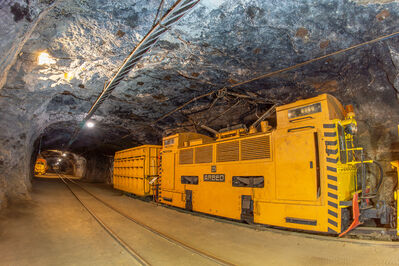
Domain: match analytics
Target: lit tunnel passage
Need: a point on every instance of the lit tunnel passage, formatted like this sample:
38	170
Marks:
63	163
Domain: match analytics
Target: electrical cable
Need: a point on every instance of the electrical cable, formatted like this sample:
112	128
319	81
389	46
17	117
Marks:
380	180
158	13
174	14
381	176
385	37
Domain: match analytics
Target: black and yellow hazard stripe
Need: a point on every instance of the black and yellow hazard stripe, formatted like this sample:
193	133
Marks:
331	144
159	181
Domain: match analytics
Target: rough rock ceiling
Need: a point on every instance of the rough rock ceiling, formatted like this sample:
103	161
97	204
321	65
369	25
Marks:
219	43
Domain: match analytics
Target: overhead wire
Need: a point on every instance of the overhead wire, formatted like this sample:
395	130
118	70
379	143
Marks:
158	13
224	112
183	105
176	12
316	59
384	37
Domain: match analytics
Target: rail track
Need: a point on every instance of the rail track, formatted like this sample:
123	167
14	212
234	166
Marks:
361	235
132	251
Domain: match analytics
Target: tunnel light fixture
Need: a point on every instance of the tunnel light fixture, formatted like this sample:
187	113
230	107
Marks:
89	124
59	160
45	59
64	154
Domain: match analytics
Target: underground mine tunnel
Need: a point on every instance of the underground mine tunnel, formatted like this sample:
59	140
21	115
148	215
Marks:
188	132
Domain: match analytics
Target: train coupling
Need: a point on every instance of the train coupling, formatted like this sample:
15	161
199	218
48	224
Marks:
382	211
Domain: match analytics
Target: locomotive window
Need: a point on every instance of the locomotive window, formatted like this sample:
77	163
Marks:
193	180
306	110
349	145
168	142
248	181
342	146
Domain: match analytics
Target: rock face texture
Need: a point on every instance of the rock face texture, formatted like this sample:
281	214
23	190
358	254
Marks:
221	42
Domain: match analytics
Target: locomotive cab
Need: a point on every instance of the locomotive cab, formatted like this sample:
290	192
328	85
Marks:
303	174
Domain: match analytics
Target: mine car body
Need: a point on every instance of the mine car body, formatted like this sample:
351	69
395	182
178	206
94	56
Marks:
135	168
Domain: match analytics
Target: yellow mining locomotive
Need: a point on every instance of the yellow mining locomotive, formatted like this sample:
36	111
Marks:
304	174
40	166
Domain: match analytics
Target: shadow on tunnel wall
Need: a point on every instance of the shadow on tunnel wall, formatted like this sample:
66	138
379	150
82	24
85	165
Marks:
33	158
97	168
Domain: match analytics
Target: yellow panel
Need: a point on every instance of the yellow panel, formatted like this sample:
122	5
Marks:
277	214
135	167
346	182
296	176
168	172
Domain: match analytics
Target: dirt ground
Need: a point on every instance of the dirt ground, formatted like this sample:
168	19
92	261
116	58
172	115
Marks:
54	229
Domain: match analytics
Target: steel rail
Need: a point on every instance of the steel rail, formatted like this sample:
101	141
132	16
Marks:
156	232
126	246
381	38
296	233
176	12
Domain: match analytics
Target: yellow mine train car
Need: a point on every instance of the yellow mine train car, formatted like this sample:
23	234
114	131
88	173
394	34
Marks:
302	174
135	168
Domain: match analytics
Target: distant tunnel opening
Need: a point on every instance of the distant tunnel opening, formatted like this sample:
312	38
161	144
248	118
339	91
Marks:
64	162
80	161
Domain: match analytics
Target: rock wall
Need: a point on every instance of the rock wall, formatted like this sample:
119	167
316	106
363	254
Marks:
80	166
97	168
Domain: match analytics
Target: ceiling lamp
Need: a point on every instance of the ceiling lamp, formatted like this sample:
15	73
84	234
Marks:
45	59
89	124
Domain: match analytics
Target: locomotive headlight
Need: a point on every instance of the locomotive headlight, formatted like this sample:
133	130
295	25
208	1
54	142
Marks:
351	129
306	110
